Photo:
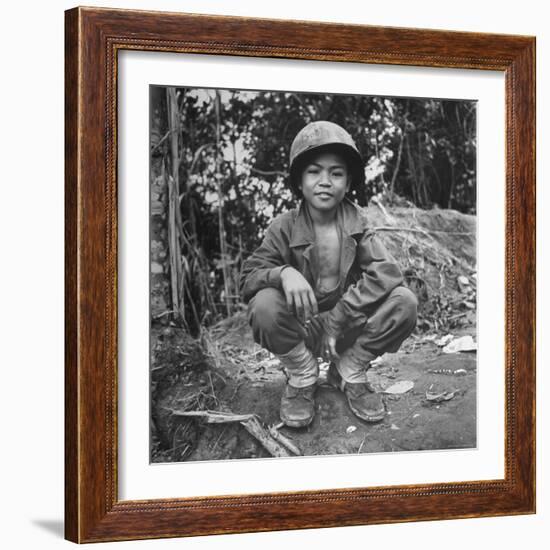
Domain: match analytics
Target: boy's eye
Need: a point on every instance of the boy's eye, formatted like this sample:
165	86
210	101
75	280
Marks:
338	173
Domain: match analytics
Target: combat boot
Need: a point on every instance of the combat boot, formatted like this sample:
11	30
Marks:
298	406
362	400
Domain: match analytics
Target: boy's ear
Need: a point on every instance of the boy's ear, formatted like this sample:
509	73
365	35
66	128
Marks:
350	175
350	181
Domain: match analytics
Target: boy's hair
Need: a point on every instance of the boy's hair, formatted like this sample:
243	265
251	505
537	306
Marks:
322	136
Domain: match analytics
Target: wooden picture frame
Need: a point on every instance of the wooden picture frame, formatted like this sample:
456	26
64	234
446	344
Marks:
93	511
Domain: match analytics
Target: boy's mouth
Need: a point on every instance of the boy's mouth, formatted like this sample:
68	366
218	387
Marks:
323	195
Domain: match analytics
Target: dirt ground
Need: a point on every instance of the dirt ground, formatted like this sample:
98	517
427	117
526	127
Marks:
225	371
413	422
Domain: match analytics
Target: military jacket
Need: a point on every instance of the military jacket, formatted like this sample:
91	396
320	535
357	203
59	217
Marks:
368	273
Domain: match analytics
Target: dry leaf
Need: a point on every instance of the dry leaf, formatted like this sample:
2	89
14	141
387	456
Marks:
464	343
442	396
403	386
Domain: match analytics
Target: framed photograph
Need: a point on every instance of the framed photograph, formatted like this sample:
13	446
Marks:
300	275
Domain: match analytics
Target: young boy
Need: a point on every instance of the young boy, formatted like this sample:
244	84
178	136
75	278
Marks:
321	284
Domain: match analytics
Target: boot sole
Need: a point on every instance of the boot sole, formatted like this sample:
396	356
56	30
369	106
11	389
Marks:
367	418
297	423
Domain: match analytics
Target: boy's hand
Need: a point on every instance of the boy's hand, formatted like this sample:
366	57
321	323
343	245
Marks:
300	298
328	348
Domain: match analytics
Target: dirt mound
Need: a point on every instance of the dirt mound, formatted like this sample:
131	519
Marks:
436	250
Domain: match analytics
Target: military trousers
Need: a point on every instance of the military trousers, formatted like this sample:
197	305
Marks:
278	330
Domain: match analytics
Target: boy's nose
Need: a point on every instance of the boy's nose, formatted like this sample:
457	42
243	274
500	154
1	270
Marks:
325	180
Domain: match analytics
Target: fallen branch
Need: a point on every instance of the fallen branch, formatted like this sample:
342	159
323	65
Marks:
275	434
251	424
254	428
160	315
214	417
458	316
160	367
422	231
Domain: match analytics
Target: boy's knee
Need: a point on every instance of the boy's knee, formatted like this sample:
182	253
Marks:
406	304
264	309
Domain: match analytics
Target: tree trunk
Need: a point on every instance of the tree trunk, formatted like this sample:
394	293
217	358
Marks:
174	219
221	225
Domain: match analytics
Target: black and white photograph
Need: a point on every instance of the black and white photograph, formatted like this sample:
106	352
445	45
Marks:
312	274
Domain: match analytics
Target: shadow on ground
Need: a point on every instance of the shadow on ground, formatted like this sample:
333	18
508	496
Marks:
53	526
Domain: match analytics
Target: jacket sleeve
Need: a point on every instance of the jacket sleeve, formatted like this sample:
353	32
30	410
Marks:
380	274
263	268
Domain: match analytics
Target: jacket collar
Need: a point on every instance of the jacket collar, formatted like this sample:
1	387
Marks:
351	219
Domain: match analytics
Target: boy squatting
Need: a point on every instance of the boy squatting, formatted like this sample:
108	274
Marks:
322	284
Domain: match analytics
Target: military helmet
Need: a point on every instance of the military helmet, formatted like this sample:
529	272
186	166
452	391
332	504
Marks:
316	136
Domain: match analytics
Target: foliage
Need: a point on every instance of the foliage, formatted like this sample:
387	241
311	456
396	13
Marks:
230	149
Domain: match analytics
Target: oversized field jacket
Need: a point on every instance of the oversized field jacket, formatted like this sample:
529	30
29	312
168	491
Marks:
368	273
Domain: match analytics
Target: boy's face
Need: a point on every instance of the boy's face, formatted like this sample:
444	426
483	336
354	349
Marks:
325	181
